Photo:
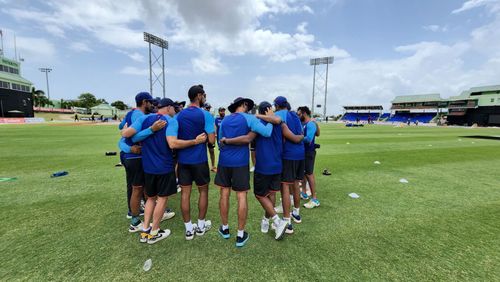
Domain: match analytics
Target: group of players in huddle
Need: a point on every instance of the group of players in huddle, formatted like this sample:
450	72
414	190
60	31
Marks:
164	147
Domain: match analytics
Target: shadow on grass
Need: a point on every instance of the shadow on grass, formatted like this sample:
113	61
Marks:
482	137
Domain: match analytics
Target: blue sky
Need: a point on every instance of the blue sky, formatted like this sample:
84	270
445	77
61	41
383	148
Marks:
258	48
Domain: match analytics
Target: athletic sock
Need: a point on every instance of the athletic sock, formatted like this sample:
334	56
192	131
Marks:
154	232
296	211
189	226
225	227
276	220
201	223
287	219
265	218
240	233
146	230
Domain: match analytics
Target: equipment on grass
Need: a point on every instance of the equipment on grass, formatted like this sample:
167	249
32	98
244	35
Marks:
110	153
5	179
59	173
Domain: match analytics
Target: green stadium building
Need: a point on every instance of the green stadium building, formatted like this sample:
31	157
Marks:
478	105
16	99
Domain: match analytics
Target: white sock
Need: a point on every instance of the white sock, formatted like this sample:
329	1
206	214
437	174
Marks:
276	220
225	227
287	219
201	223
189	226
240	233
154	232
296	211
145	229
265	218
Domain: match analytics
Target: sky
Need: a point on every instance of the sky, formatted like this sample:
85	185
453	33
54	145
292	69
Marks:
258	48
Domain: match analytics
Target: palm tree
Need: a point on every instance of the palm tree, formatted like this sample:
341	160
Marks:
39	98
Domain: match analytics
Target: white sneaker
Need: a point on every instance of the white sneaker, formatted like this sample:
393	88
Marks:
264	225
162	234
168	214
311	204
280	229
252	169
190	234
179	189
200	232
279	208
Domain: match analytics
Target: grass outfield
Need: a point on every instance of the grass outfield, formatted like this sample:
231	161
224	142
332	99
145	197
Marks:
443	225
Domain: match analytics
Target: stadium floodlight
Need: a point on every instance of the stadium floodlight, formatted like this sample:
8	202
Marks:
318	78
46	71
163	44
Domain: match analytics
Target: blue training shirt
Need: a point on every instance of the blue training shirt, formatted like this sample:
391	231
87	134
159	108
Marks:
193	121
218	121
235	125
130	118
268	152
156	154
292	151
309	136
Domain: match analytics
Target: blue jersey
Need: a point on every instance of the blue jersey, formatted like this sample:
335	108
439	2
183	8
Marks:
156	154
309	136
268	152
193	121
218	121
235	125
130	118
292	151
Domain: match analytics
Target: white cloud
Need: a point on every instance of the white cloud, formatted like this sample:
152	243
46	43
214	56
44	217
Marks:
471	4
135	71
80	47
135	56
435	28
207	63
301	28
210	28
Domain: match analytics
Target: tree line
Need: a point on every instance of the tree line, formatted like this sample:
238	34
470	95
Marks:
84	100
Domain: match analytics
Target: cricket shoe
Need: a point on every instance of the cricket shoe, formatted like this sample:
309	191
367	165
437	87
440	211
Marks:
201	231
135	228
264	225
168	214
162	234
224	233
296	218
241	241
313	203
280	230
190	233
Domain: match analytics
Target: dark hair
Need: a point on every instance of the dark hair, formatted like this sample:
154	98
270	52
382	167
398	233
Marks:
194	91
139	104
305	110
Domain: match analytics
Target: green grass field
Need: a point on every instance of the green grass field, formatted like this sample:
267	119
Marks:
443	225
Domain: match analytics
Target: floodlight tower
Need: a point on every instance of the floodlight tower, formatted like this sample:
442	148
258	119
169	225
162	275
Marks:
163	44
320	79
46	71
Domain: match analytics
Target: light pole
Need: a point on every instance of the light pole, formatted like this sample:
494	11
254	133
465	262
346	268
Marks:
163	44
46	71
317	76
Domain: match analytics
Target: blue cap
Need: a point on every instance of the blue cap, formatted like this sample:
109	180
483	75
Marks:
280	101
165	102
143	96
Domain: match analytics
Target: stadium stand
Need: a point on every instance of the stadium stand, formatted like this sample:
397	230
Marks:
361	113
